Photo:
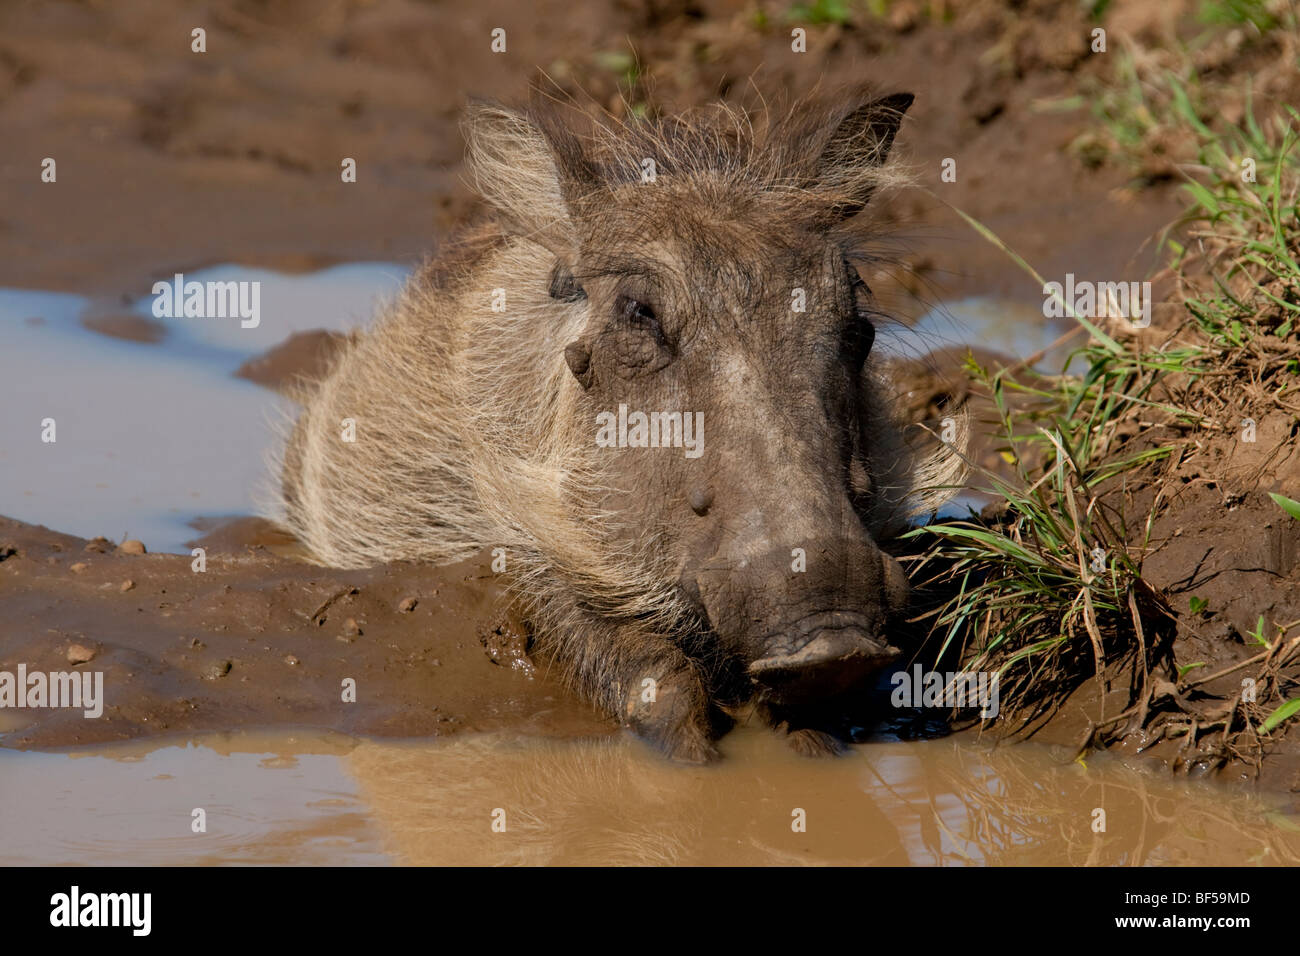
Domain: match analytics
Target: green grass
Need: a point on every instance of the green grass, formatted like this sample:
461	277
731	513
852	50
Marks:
1254	13
1253	229
1280	716
820	11
1152	103
1029	603
1289	505
1049	592
845	12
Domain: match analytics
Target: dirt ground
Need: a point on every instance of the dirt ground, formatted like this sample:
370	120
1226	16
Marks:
260	640
169	160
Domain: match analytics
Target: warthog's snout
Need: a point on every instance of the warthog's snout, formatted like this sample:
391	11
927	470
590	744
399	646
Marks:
819	656
810	634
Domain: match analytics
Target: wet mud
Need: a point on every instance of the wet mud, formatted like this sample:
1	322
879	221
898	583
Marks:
261	640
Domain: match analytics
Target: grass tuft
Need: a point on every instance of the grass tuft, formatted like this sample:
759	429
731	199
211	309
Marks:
1047	585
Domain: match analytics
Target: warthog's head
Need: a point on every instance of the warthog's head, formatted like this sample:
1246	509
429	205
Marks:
723	318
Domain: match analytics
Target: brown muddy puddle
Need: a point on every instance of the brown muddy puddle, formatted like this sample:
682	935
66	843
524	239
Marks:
487	800
156	436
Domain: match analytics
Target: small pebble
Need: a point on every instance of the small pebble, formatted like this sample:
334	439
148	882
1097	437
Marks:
291	660
78	567
407	605
80	653
127	585
216	671
351	628
131	546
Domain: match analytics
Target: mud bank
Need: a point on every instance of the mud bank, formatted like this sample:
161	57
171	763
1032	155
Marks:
259	640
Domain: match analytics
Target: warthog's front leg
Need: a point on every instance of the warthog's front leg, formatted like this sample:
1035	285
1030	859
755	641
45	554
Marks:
666	703
647	682
805	740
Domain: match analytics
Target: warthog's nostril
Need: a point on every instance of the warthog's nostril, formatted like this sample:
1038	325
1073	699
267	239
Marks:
832	661
701	500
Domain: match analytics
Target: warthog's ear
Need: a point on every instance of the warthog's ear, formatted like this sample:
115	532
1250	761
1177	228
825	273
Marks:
849	168
524	172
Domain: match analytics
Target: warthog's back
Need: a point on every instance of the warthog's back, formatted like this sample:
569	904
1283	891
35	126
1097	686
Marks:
451	394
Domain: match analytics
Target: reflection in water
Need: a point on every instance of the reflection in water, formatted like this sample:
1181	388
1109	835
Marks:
328	799
1016	329
265	800
939	802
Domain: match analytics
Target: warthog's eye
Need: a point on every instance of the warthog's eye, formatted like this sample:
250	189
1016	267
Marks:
635	337
859	333
640	316
859	336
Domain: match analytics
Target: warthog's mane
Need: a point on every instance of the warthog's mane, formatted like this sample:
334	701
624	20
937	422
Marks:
790	153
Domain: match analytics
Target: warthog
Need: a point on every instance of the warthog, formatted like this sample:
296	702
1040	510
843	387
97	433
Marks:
693	274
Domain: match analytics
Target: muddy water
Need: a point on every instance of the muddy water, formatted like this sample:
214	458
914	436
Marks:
150	436
1015	329
273	800
331	800
153	436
